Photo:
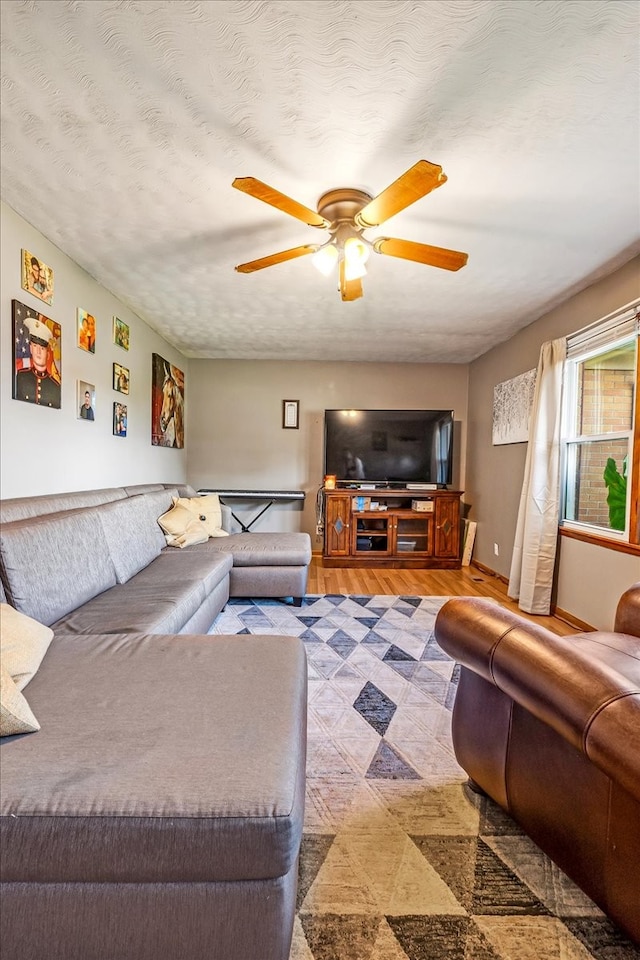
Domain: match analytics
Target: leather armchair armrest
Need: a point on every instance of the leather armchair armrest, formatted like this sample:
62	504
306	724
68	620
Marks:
628	612
586	687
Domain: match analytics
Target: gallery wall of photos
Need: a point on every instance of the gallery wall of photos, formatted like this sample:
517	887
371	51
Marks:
38	367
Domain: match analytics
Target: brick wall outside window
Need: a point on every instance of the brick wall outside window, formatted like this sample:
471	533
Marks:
605	405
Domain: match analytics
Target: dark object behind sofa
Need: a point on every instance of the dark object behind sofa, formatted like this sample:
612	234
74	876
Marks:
549	728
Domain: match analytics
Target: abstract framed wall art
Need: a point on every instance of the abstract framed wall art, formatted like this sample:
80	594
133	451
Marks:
512	402
86	331
120	333
37	357
167	404
120	378
86	400
119	419
37	277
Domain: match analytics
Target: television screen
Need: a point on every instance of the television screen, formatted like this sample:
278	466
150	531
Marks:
389	446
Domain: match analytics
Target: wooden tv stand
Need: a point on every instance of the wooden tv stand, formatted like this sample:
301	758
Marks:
397	537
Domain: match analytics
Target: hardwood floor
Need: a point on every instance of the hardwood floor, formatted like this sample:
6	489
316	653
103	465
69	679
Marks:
466	582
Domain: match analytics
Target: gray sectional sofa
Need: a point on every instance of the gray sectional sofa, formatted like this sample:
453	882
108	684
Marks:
113	569
158	811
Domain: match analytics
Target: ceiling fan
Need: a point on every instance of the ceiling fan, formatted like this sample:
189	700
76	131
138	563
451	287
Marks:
346	213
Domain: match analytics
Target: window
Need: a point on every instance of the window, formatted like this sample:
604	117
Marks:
600	485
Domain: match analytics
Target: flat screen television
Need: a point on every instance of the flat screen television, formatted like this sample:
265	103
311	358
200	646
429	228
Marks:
392	447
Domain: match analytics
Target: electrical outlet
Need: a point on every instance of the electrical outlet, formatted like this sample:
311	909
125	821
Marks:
496	550
319	530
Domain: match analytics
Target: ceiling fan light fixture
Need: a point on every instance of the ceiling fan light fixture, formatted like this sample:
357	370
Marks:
325	258
346	212
354	269
356	250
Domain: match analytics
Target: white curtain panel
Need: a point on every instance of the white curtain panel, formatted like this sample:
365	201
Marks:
534	549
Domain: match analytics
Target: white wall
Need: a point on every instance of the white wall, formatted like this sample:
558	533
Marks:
591	579
234	418
48	451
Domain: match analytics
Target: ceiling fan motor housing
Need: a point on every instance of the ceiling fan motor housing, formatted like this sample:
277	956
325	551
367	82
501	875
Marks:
342	204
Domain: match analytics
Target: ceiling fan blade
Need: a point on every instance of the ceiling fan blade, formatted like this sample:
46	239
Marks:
276	258
418	181
262	191
349	289
421	253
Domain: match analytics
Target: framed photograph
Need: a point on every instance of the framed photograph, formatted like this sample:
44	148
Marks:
86	331
37	357
85	400
120	333
290	414
120	378
167	404
37	277
119	419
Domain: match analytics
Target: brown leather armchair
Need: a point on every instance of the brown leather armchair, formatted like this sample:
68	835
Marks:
549	728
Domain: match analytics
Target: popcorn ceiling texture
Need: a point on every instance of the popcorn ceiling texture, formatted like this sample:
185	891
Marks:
124	123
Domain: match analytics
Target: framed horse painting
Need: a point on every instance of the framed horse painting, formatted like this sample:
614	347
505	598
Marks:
167	404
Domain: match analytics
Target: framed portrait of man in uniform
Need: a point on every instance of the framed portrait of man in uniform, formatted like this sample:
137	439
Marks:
37	357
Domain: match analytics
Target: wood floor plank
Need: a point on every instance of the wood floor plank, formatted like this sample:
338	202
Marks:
466	582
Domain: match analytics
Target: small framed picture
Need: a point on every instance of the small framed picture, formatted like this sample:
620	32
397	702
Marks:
119	419
290	414
86	400
37	277
120	378
120	333
86	331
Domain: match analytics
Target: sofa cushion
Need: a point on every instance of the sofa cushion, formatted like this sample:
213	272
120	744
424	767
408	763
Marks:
16	715
211	568
213	730
141	605
23	644
132	531
182	528
66	556
264	549
207	510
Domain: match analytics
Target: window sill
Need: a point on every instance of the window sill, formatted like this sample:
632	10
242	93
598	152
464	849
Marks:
621	546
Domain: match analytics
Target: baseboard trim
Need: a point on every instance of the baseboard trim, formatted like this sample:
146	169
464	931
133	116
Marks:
569	618
558	612
488	571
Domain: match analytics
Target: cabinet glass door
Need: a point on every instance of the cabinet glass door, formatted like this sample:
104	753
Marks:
413	535
372	535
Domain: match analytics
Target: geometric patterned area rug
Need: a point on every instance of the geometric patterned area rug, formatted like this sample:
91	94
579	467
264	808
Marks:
400	860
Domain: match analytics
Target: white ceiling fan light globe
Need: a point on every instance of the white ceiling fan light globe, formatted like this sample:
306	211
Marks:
354	269
356	253
325	258
356	250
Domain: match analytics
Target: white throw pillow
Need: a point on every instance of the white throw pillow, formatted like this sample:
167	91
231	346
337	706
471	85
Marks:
15	712
23	644
182	528
207	510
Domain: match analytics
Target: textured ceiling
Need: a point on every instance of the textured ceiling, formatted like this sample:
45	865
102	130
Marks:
124	123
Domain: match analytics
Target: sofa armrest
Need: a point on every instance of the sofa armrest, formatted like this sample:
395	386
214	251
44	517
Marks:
586	687
628	612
